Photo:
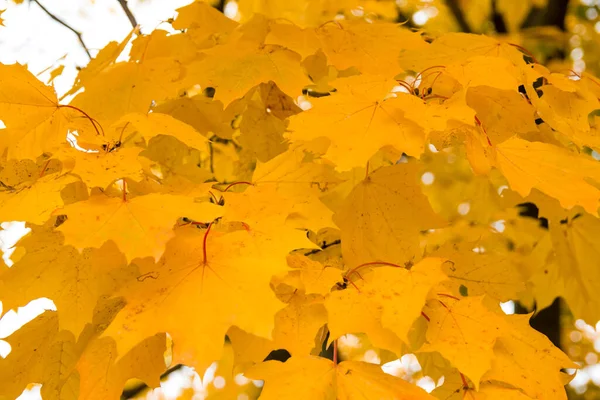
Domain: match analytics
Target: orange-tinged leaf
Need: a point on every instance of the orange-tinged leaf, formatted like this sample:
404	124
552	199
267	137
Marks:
227	289
140	226
319	378
383	216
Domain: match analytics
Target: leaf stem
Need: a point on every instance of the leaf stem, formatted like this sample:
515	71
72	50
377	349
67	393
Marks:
204	243
335	352
124	182
372	263
92	120
44	168
448	295
237	183
464	381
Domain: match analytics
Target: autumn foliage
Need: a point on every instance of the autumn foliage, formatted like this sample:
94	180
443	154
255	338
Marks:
279	185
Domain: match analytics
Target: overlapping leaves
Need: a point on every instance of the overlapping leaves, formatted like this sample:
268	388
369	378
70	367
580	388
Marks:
186	192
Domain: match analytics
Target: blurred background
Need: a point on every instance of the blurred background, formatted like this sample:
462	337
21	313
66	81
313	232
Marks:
57	38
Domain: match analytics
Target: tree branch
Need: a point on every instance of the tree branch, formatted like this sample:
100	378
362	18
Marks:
458	15
63	23
498	20
128	12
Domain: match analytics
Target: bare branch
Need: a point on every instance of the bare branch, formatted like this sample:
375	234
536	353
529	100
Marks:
63	23
458	14
128	12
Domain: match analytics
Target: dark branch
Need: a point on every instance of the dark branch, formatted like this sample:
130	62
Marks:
553	14
128	12
63	23
498	20
458	15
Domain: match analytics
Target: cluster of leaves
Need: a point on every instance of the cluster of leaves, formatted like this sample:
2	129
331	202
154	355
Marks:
193	199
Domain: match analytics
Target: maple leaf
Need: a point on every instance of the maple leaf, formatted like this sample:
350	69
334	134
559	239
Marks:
358	120
297	324
35	121
73	281
140	226
100	169
393	297
234	68
222	276
517	348
464	331
129	87
281	188
33	201
546	167
319	378
491	269
382	217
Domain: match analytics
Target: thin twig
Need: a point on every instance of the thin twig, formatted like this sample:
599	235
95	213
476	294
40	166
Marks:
63	23
128	12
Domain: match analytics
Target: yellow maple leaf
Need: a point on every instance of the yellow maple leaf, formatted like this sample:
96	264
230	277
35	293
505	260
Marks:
140	226
73	281
33	201
518	350
383	216
103	167
358	120
223	278
236	67
319	378
394	297
555	171
35	121
464	331
297	324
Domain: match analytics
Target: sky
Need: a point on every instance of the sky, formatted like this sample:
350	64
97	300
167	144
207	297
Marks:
31	37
